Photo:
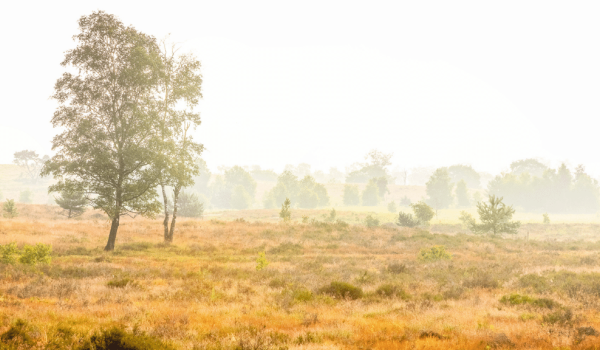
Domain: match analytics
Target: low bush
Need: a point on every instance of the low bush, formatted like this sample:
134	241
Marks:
563	317
342	290
371	221
517	299
302	295
29	255
536	282
434	253
116	338
37	254
407	220
392	291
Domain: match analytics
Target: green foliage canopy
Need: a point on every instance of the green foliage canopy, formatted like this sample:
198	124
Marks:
495	218
107	147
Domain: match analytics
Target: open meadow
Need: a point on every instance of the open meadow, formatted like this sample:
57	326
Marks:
319	285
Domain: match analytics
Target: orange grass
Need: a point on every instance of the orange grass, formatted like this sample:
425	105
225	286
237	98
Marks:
204	291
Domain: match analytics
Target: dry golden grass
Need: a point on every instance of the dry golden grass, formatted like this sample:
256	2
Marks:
204	291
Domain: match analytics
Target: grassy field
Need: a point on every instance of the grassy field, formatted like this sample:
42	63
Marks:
205	292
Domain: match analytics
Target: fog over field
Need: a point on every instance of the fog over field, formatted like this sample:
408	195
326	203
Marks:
324	82
270	175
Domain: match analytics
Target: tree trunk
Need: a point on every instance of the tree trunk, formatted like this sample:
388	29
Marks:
175	197
168	238
110	245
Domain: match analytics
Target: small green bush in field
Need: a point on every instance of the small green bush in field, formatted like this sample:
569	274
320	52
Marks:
437	252
342	290
116	338
517	299
8	253
302	294
37	254
261	261
10	209
30	255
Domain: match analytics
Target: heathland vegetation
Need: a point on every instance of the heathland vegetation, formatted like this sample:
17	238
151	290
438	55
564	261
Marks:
372	257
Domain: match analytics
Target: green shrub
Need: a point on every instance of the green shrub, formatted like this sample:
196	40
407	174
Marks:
536	282
10	209
116	338
342	290
423	212
302	294
261	261
546	218
517	299
392	290
561	317
371	221
406	220
37	254
434	253
8	253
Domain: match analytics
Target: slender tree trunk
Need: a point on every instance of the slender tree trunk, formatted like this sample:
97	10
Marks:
110	245
176	191
168	238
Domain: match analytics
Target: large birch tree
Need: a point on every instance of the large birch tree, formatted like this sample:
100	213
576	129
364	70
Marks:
107	115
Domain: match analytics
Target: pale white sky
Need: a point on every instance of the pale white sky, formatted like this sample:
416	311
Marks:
323	82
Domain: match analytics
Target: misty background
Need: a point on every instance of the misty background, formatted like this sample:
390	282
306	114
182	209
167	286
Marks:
322	83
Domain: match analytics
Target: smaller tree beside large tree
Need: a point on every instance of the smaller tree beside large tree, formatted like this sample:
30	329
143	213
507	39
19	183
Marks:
495	218
73	203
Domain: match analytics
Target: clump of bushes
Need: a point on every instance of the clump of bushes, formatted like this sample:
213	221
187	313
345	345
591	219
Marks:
407	220
29	255
116	338
437	252
371	221
342	290
518	299
575	285
423	215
